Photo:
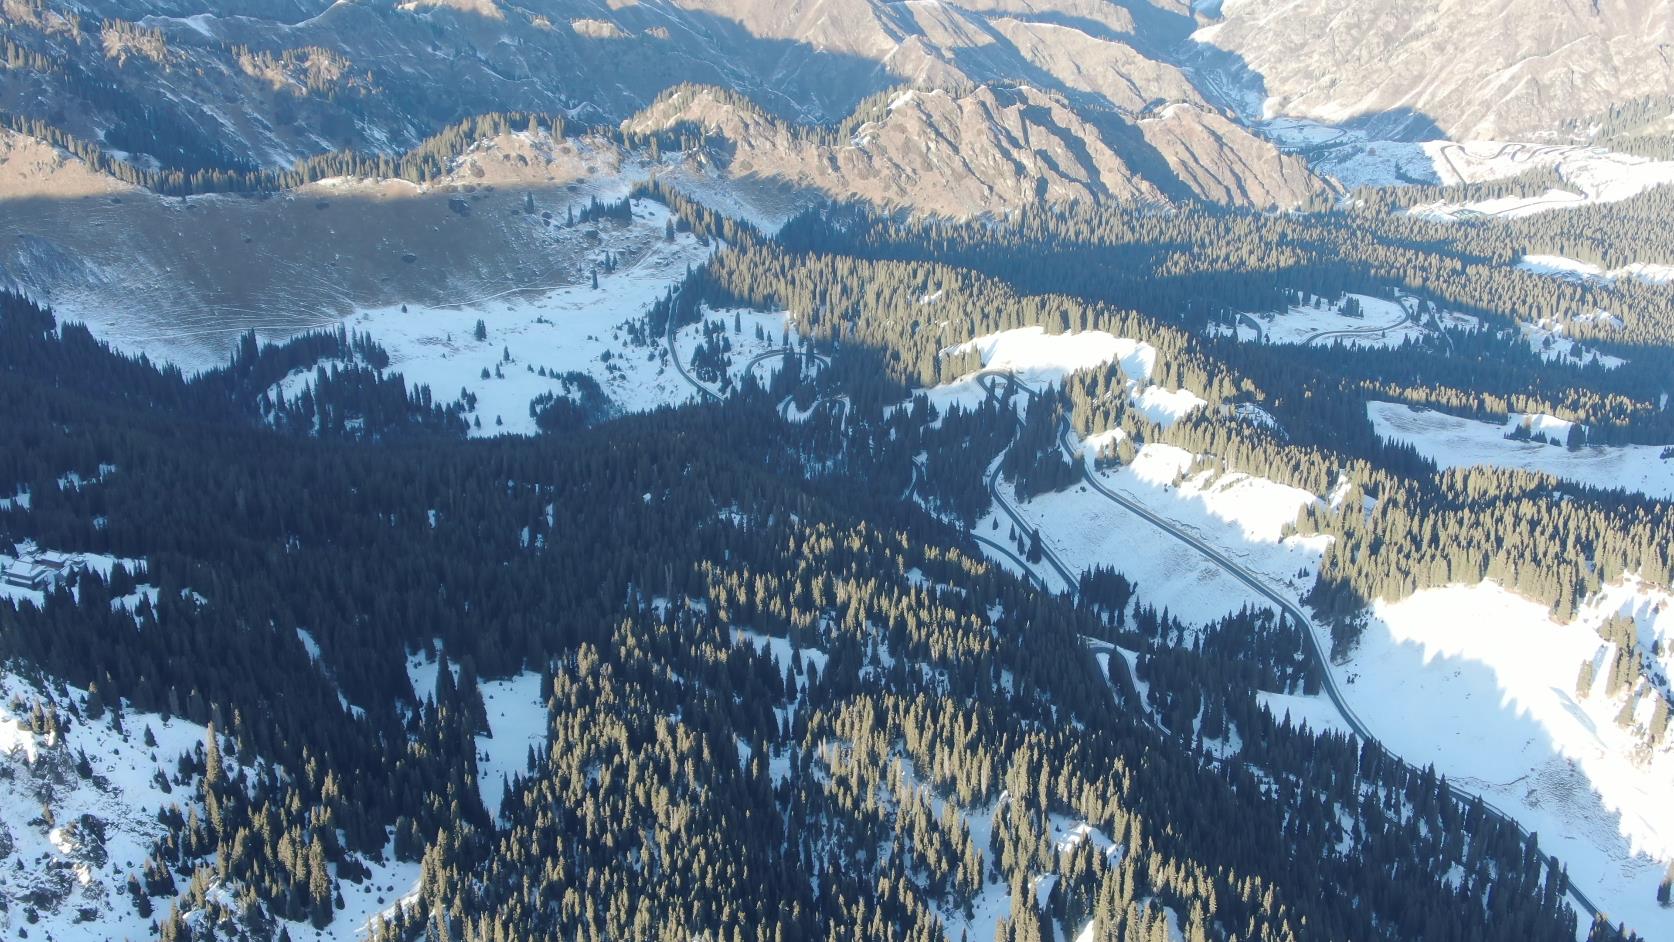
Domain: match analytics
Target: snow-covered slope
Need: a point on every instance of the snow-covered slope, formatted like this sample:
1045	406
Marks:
1482	683
1454	442
1038	359
1356	320
1242	515
1591	175
79	800
564	328
1565	267
517	723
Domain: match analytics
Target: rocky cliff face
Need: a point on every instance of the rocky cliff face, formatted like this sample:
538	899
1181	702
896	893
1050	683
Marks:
1053	99
1486	69
994	149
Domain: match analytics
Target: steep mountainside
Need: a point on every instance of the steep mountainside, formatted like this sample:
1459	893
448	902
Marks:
1502	69
995	149
173	86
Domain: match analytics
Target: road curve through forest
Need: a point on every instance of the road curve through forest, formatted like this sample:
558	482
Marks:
989	380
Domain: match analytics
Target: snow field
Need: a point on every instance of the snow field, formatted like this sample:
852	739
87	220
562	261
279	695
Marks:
1037	359
1563	266
1592	174
1482	683
1547	340
517	722
746	346
1454	442
1384	323
1319	713
570	328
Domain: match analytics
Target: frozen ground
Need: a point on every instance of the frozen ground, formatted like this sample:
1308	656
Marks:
1317	712
1348	156
1547	339
84	880
80	880
567	328
517	722
1476	680
1454	442
750	334
392	883
1592	174
1038	357
1482	683
762	203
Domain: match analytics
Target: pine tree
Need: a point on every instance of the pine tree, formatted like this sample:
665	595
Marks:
1584	680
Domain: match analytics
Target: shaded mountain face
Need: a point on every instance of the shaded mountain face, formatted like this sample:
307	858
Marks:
1024	101
1501	69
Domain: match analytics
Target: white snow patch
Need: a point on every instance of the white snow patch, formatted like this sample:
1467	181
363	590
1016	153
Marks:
566	328
1573	268
1038	357
1382	323
1167	406
780	649
1454	442
1318	712
517	722
1242	516
122	793
1482	683
1591	175
1546	338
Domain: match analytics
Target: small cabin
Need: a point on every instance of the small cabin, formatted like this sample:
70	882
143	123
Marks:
26	575
40	571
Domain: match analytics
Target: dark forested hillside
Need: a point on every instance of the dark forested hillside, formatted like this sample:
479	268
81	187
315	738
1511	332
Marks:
834	783
836	471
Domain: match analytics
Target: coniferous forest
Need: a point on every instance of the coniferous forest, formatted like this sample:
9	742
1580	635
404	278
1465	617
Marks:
789	696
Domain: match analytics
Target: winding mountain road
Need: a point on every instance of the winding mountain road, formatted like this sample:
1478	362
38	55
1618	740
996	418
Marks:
990	380
1406	319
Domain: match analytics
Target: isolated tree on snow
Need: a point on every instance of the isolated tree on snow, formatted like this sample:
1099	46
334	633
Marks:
1584	682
